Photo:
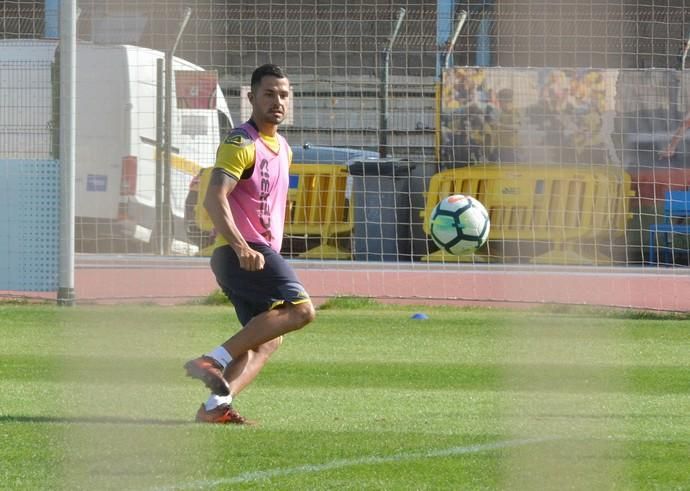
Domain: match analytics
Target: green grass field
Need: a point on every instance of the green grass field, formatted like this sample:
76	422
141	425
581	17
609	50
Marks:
365	398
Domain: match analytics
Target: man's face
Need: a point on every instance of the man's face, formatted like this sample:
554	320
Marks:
270	100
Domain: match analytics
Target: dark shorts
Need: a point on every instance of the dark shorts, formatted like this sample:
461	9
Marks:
254	292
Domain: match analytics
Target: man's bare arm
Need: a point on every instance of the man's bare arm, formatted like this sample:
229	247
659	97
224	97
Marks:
218	208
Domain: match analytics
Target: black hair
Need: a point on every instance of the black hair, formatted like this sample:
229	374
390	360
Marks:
268	69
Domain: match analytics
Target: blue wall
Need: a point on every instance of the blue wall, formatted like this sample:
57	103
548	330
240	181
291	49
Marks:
29	225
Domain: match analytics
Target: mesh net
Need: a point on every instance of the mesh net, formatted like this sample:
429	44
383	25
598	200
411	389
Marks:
565	119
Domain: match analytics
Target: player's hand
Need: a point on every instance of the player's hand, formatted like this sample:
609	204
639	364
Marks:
250	259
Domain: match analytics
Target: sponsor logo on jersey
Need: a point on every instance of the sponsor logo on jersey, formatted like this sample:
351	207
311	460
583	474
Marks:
238	137
264	207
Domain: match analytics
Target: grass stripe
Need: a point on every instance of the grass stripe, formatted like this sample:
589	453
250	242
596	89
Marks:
413	374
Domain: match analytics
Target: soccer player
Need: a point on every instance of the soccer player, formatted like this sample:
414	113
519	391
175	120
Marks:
246	200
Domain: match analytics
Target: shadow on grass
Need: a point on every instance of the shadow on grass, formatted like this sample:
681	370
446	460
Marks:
95	420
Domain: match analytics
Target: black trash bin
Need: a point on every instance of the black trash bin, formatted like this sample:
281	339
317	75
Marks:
414	243
376	188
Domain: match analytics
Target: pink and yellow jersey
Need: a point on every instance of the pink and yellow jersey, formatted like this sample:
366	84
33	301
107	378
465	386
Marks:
260	164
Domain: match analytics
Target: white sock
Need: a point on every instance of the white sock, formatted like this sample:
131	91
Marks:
214	401
221	355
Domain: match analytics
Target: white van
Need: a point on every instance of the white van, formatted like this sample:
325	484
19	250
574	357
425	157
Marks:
115	132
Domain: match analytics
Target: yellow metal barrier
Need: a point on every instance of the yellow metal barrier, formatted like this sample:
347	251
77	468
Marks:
574	209
203	221
201	218
317	207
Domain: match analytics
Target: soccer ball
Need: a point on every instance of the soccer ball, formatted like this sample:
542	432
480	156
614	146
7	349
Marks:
459	224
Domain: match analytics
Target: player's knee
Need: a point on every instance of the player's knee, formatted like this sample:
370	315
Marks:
305	313
269	347
274	344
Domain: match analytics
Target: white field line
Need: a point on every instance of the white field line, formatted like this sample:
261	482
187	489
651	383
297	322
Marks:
248	477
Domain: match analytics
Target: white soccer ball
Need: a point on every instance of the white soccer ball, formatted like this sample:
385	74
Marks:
459	224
